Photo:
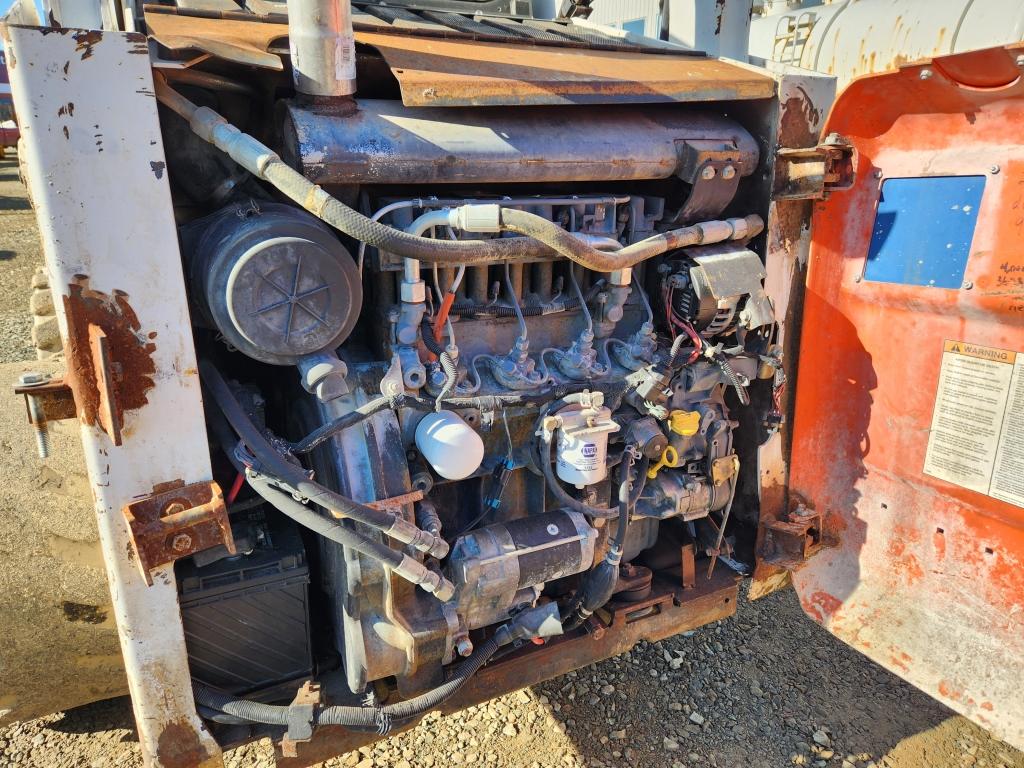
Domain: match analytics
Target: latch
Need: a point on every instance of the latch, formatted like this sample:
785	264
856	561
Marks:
176	521
789	543
815	172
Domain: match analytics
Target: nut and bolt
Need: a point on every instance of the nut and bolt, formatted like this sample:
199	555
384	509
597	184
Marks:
993	169
707	173
926	74
38	418
463	646
1020	61
968	285
878	173
728	172
182	542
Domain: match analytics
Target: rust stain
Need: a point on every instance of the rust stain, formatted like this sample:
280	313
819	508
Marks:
86	39
130	354
821	605
178	746
67	109
799	120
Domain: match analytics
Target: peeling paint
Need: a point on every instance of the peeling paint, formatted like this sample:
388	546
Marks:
130	354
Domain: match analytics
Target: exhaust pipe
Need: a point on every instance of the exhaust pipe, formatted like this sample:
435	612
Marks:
323	48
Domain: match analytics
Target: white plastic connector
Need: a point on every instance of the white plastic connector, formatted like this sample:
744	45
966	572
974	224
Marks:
476	218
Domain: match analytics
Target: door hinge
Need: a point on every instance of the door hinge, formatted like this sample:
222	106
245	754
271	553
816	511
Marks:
815	172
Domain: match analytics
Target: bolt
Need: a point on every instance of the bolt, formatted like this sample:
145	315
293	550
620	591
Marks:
707	173
728	172
182	542
993	169
968	285
925	74
39	427
463	646
174	508
1020	61
878	173
42	439
857	279
552	529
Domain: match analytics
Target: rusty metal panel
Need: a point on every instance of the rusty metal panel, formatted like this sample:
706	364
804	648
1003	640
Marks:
796	123
456	73
94	158
244	42
437	72
928	576
669	610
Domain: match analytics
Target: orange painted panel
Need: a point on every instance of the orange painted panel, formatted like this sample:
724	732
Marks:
927	577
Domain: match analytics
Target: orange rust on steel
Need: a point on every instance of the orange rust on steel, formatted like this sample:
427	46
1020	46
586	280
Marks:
54	399
178	746
449	73
440	72
676	611
689	569
110	360
244	42
396	501
176	521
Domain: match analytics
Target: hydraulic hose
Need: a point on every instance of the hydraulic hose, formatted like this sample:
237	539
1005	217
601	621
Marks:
340	424
409	569
295	477
599	583
543	237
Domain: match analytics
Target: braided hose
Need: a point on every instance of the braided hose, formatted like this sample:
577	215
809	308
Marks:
543	237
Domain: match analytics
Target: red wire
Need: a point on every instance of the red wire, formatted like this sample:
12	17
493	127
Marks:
235	488
442	315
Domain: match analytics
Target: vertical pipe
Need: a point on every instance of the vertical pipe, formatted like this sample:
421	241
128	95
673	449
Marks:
516	272
323	49
543	279
478	284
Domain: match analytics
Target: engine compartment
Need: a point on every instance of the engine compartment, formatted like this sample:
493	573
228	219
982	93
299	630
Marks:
473	446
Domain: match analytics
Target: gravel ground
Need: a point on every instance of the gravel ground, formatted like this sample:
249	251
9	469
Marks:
19	256
764	688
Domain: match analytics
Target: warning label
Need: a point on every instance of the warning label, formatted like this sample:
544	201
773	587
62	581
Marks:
977	435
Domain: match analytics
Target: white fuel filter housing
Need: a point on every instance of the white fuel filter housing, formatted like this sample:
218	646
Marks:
449	444
581	452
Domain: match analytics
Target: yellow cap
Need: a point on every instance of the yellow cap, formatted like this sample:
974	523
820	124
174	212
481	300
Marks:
685	423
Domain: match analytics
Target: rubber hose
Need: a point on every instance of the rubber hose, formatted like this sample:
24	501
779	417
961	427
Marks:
353	717
427	334
328	430
273	463
334	530
547	236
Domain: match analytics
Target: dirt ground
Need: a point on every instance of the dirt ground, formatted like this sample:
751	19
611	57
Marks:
764	688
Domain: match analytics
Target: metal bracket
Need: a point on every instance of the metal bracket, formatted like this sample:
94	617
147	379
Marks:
712	170
789	543
815	172
176	521
301	714
46	400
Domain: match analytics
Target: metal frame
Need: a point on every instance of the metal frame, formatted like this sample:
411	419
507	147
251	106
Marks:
96	167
